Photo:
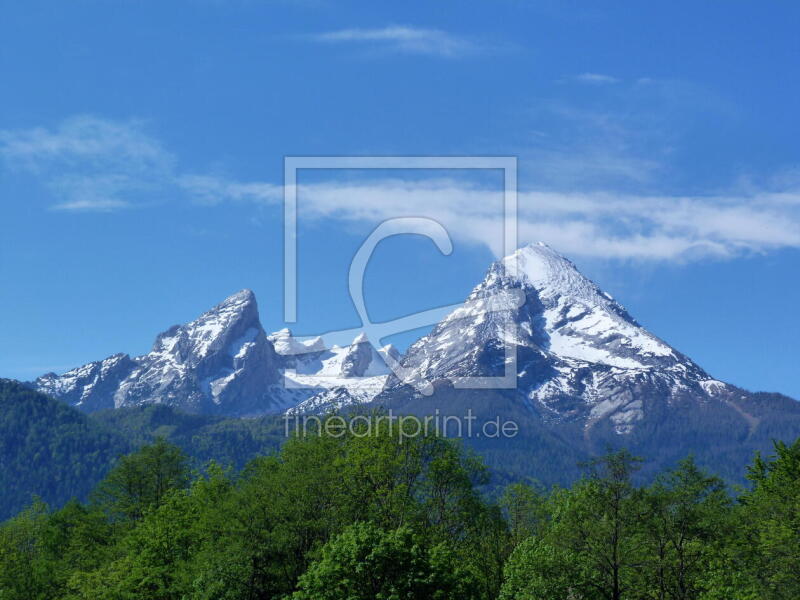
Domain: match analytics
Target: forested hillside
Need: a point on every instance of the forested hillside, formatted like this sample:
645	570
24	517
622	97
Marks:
56	452
370	515
228	441
52	451
49	450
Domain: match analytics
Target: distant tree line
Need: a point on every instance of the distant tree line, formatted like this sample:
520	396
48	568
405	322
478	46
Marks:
393	518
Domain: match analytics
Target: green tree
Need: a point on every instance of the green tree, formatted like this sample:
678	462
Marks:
25	573
591	547
540	569
684	522
763	557
140	481
525	510
368	563
285	508
155	560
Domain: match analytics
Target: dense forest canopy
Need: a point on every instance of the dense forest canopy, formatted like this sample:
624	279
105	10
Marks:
55	452
49	449
392	517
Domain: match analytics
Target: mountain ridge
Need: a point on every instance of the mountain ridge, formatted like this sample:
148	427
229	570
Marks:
579	353
580	357
222	362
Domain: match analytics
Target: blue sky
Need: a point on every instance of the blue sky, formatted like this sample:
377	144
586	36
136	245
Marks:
142	145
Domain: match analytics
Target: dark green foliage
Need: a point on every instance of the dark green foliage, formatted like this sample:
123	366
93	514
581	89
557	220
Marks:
681	538
140	482
49	450
308	512
365	562
589	547
525	509
373	514
685	519
24	568
762	560
722	434
228	441
55	452
33	450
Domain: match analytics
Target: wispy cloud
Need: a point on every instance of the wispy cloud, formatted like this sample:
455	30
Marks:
93	164
207	189
593	147
86	205
597	224
90	163
405	39
626	137
84	138
593	79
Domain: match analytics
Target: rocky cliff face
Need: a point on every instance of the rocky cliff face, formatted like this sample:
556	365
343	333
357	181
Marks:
90	387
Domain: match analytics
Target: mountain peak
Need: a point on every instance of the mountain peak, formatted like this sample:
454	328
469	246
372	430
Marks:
240	301
540	253
361	338
541	267
573	339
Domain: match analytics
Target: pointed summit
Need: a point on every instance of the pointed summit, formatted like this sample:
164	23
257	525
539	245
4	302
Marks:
233	318
241	306
243	297
539	266
361	338
537	261
221	358
220	362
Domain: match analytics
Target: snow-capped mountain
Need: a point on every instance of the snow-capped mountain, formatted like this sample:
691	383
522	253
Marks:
579	354
222	362
356	373
574	355
92	386
579	375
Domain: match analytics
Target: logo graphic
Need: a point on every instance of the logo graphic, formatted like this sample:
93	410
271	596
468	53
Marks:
374	333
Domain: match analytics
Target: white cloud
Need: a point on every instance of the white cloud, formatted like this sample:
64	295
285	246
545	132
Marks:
594	79
628	136
213	190
399	38
596	224
83	139
90	163
96	205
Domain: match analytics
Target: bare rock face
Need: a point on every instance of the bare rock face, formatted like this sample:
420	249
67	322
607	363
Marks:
220	362
586	376
580	357
358	358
